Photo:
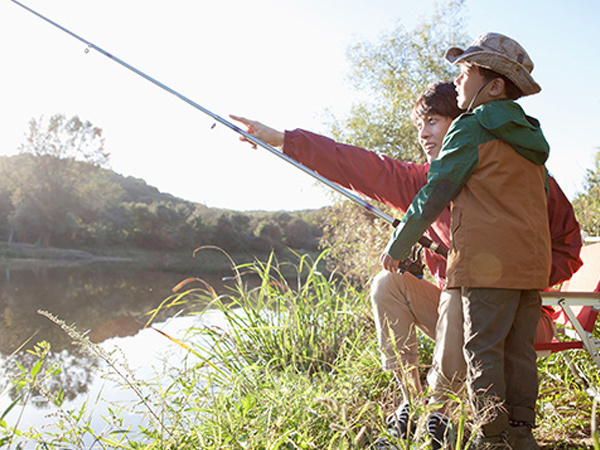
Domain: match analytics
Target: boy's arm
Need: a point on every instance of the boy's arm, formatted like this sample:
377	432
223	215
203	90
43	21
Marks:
447	175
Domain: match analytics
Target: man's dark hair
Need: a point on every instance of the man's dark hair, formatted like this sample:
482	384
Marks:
439	98
510	88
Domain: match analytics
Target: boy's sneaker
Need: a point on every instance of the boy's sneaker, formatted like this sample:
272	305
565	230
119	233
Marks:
439	430
397	422
521	438
499	442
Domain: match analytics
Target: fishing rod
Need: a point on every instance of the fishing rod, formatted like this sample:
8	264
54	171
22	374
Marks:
425	242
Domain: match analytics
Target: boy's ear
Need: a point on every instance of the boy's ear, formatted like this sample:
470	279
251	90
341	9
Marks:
497	87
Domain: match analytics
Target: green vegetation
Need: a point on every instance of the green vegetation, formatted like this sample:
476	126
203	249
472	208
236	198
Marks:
392	72
292	365
56	200
587	203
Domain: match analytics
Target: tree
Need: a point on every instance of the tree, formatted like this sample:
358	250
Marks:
66	140
268	236
587	204
232	232
298	234
390	73
356	238
56	184
6	206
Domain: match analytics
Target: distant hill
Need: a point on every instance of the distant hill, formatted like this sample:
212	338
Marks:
50	201
138	191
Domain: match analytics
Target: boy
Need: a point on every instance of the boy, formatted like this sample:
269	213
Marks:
491	170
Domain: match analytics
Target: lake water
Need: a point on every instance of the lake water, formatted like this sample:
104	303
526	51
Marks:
107	300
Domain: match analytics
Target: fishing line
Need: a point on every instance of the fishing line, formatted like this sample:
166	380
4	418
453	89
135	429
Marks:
438	248
470	108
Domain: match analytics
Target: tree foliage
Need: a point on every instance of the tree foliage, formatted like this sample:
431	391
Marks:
391	73
65	139
51	190
587	203
355	238
58	192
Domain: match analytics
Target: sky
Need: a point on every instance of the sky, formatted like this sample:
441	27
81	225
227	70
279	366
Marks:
282	62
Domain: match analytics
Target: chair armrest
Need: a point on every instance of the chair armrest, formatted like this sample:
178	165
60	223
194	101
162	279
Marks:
556	298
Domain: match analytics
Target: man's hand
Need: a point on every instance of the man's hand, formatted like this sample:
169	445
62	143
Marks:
268	135
390	264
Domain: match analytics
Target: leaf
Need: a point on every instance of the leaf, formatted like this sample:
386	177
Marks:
36	368
10	407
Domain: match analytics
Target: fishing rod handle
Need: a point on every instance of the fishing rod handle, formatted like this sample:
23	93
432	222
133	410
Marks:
435	247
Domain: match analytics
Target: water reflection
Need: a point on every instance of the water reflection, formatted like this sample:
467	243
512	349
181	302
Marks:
74	380
105	300
148	356
108	301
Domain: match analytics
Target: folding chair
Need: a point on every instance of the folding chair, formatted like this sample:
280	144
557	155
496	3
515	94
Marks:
576	308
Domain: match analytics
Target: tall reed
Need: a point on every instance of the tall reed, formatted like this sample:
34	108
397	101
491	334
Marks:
291	363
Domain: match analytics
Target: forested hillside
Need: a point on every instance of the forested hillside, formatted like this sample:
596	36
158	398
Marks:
64	202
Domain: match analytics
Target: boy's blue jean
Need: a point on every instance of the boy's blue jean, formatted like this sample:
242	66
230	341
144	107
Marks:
499	331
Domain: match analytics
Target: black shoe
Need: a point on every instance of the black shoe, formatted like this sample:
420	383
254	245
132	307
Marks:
439	429
521	437
498	442
384	444
397	422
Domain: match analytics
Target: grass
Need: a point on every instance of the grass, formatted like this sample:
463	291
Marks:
295	366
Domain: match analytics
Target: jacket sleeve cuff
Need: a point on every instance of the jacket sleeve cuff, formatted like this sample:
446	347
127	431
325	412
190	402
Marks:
289	142
397	249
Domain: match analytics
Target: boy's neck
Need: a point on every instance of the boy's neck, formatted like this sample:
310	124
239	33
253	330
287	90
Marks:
488	99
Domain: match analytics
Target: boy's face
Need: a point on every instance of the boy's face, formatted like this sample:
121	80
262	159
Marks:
468	84
431	129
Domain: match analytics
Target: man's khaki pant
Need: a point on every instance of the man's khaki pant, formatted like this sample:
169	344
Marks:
402	302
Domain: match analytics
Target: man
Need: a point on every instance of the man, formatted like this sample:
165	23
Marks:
402	302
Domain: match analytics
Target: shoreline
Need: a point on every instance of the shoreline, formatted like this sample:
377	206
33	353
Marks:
210	260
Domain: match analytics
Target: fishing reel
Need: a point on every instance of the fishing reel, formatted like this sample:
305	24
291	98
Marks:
414	263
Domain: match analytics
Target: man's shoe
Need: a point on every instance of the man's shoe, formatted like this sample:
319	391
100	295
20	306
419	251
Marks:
440	431
499	442
521	438
397	422
383	443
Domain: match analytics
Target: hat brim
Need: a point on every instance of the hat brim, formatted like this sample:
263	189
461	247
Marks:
453	54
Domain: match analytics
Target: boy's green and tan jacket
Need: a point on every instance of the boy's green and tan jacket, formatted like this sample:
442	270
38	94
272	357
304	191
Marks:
491	169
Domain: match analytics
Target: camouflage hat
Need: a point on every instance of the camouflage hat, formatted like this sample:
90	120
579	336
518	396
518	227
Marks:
501	54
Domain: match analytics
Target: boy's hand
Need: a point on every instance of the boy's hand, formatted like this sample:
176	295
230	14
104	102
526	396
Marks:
390	264
268	135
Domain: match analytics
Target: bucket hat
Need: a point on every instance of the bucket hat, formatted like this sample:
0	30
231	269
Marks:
501	54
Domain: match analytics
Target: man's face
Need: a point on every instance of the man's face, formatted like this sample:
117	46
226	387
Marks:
431	129
467	85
